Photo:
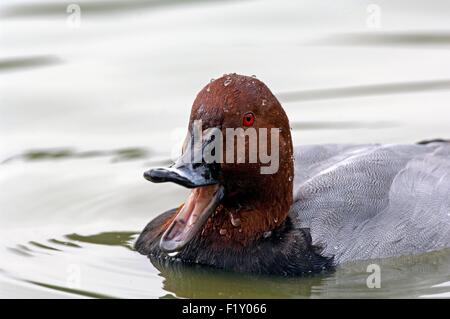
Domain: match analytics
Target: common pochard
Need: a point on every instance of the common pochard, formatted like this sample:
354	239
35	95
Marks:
325	204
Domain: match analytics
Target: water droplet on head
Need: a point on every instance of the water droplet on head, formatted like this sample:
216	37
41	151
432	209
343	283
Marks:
222	231
211	81
263	103
254	76
267	234
227	82
290	178
236	222
207	89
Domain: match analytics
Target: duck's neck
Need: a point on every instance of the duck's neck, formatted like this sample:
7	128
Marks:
247	216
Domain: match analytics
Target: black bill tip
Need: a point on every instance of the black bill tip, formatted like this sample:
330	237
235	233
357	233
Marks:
162	175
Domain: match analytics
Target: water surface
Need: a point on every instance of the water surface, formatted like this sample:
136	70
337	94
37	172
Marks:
85	110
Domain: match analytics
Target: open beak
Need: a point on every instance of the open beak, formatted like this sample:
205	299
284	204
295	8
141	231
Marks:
190	175
201	202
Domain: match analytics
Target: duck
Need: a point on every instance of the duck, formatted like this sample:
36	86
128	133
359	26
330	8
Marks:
324	206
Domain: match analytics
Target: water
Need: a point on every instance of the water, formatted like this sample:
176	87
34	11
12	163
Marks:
85	110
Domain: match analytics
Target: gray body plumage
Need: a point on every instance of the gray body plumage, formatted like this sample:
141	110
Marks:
373	201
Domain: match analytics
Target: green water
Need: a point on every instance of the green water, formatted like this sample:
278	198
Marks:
85	110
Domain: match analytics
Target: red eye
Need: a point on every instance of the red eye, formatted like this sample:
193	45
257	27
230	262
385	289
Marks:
249	119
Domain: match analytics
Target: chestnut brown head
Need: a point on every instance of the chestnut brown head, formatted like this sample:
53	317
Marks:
242	180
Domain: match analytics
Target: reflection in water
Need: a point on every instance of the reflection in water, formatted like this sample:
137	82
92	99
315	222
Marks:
125	154
401	276
64	243
408	276
107	238
195	281
364	90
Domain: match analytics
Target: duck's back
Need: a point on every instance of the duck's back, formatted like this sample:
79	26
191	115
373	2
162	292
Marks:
371	201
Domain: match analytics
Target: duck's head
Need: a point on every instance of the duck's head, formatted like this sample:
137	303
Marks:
241	191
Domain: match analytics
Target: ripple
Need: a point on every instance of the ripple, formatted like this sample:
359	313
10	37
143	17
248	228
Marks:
340	125
93	7
70	290
34	243
19	252
117	155
364	90
416	38
123	239
20	63
64	243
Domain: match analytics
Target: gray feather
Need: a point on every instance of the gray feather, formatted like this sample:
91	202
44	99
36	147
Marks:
372	201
